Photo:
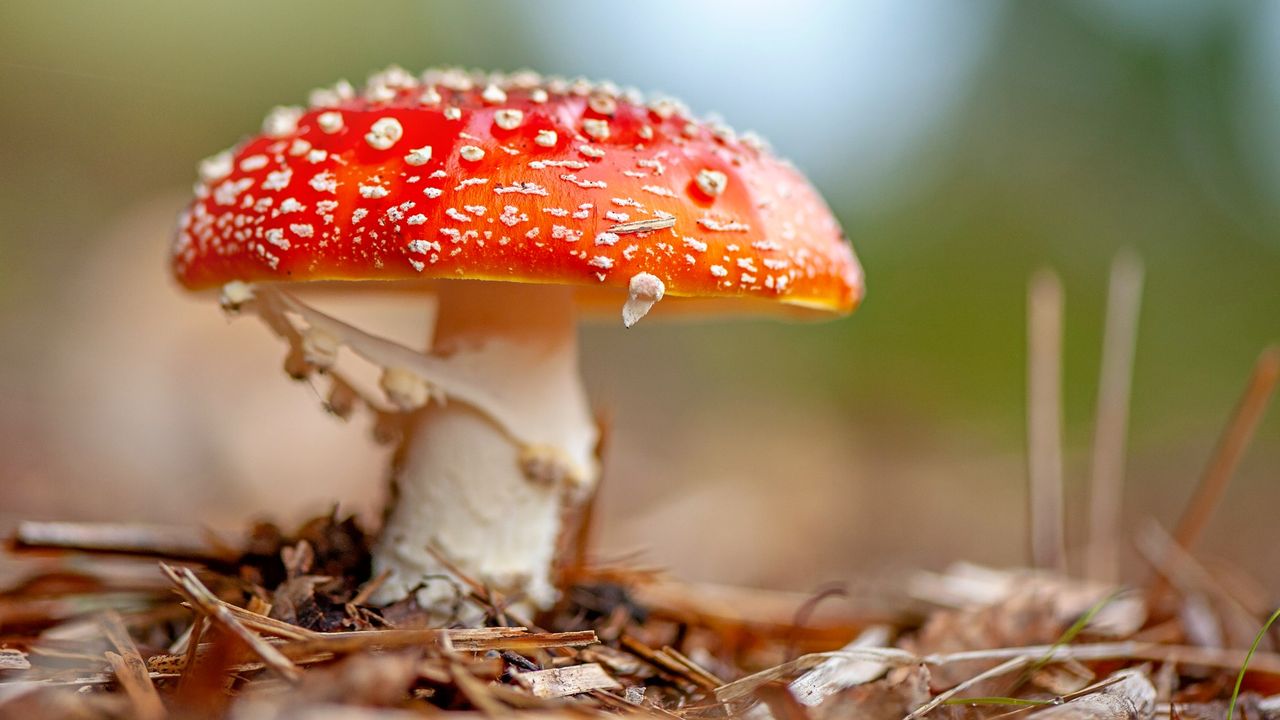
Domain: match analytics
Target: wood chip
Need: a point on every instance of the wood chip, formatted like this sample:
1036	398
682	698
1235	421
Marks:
566	681
13	660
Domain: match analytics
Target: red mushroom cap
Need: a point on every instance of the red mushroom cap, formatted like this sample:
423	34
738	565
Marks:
516	178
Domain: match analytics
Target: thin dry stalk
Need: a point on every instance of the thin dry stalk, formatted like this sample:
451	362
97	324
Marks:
704	677
1231	446
663	661
1183	571
1044	420
484	596
198	627
126	538
1111	425
131	670
1262	662
1003	668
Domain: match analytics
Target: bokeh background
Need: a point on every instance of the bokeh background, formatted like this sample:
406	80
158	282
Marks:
963	145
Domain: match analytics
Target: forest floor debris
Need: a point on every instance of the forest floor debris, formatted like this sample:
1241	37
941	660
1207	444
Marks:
181	623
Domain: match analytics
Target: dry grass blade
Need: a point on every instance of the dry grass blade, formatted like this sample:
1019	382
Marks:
744	686
781	703
1012	658
131	670
1044	420
1132	651
205	602
1106	483
836	674
1179	567
566	681
1231	446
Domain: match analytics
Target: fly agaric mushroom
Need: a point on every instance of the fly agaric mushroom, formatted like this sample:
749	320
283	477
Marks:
514	203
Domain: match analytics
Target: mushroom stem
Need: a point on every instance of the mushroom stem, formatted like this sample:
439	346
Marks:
461	484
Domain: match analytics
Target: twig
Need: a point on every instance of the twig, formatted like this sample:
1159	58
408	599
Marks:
664	661
480	594
1044	420
179	542
323	646
1231	446
190	587
1111	424
269	625
703	676
368	589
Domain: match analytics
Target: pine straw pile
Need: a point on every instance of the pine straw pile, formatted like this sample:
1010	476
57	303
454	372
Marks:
111	621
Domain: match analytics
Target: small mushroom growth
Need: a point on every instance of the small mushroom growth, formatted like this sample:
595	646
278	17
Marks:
511	204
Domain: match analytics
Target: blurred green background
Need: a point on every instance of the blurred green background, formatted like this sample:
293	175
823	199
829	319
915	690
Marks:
963	145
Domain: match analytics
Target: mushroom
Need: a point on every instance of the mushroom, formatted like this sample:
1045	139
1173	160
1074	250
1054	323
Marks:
511	204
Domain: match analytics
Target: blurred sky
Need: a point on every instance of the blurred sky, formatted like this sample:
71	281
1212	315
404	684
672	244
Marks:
963	145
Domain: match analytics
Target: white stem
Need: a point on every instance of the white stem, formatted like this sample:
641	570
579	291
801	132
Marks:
483	471
462	484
